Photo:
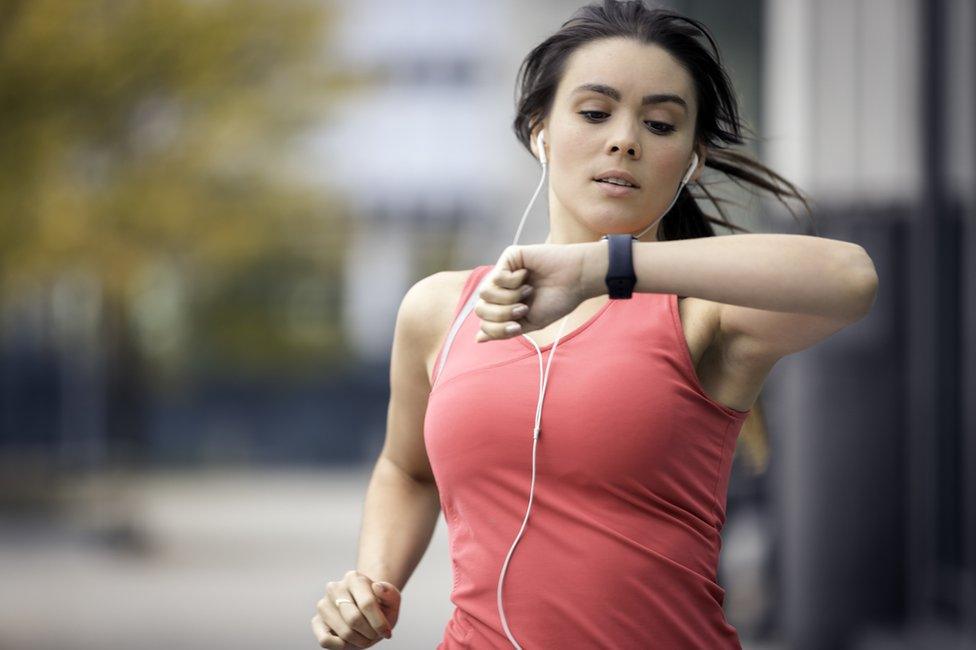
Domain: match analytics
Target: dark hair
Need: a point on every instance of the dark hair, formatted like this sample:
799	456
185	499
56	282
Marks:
717	126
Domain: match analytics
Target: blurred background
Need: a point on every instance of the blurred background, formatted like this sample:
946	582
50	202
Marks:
210	211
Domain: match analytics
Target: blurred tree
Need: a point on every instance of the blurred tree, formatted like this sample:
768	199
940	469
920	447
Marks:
144	141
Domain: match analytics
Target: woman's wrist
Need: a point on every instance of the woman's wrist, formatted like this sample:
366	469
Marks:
596	262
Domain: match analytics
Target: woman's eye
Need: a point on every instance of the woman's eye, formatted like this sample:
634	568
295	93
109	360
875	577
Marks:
659	127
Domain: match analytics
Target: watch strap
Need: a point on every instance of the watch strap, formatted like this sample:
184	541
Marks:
620	278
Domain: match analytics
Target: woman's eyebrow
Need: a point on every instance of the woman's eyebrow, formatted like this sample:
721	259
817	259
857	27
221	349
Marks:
613	93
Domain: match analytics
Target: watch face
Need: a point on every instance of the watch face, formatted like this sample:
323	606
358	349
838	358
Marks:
620	276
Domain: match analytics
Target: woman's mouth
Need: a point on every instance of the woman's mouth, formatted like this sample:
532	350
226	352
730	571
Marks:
611	189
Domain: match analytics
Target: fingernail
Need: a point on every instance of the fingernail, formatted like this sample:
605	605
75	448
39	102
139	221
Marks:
526	290
511	328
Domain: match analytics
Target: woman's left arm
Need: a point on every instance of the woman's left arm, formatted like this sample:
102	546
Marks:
793	273
779	293
773	294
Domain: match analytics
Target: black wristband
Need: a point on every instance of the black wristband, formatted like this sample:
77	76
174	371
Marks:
620	277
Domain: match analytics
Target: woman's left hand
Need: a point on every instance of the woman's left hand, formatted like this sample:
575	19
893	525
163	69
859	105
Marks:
552	273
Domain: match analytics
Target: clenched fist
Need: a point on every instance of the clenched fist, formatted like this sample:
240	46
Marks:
355	612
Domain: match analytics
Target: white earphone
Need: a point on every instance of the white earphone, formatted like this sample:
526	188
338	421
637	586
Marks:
691	168
541	146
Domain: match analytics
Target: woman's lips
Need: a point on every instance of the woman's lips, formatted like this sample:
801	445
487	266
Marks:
615	190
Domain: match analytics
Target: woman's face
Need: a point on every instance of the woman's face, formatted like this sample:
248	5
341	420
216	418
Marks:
652	141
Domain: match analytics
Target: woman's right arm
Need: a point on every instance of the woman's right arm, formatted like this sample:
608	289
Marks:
402	502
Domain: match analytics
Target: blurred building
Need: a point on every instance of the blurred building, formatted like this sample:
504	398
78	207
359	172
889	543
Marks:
869	106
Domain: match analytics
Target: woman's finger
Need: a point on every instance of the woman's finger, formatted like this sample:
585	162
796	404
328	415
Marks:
333	617
389	597
371	620
500	313
325	637
505	330
506	279
494	294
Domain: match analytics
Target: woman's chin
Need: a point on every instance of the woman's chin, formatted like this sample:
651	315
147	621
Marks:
614	224
615	213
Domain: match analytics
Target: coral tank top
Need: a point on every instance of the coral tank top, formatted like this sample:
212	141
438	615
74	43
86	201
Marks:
622	542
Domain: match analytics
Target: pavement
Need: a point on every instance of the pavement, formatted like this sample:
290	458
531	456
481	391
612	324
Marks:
233	558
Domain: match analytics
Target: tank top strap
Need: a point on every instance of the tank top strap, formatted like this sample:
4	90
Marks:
474	278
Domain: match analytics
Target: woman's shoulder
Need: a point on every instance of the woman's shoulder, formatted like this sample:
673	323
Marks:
431	292
427	312
442	290
430	304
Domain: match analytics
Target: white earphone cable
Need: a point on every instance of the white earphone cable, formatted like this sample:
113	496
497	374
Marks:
536	430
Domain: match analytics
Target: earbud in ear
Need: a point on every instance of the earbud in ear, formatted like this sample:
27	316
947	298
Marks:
541	146
691	168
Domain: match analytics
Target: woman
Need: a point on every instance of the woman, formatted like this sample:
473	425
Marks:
633	447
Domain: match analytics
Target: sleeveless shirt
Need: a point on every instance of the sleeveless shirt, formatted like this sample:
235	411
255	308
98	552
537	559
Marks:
622	542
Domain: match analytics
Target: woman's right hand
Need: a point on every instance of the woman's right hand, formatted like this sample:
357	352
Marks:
361	623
